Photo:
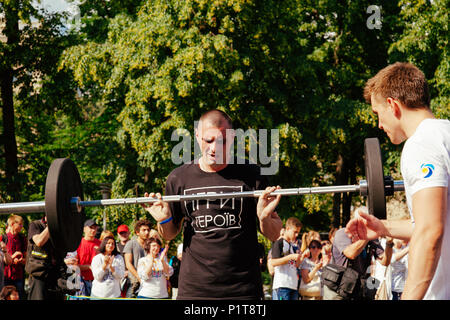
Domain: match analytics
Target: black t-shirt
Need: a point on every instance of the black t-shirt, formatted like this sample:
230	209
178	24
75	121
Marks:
54	259
220	256
281	248
120	248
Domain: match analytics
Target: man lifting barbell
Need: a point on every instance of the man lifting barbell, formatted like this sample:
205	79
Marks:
399	97
220	235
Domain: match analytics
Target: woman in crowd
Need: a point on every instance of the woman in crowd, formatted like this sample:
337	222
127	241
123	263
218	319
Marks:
310	270
399	267
9	293
308	237
108	267
153	270
106	233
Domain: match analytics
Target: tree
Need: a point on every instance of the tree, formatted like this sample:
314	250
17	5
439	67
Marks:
285	65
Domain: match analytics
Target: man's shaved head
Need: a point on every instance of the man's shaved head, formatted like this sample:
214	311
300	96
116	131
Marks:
215	136
216	118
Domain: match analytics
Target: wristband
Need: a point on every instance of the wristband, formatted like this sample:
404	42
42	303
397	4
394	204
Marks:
165	221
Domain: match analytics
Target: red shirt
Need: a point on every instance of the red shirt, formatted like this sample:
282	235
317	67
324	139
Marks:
86	251
16	242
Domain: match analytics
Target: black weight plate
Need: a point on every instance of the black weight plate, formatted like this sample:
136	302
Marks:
64	223
376	197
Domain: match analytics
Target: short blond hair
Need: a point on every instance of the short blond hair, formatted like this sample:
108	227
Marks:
14	218
293	222
106	233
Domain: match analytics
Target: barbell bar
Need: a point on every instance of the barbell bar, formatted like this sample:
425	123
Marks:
64	204
78	204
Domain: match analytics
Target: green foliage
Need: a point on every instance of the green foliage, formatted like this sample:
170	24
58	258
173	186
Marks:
112	90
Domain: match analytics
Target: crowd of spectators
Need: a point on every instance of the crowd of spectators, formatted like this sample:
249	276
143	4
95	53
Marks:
125	265
308	266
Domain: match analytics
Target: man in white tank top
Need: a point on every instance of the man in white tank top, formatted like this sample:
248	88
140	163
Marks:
399	97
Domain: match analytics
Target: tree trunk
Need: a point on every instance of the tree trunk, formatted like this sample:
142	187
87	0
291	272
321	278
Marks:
11	31
341	179
351	179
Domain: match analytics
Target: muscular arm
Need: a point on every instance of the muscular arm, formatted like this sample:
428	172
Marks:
169	230
429	210
354	250
271	226
398	229
269	221
41	238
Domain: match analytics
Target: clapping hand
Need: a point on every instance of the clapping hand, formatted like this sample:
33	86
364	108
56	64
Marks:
108	262
164	252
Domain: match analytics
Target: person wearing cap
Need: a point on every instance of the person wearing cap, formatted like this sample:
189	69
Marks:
123	234
86	252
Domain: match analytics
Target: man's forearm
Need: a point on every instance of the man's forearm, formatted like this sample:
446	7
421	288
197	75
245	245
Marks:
132	270
169	230
271	227
429	210
353	250
41	238
398	229
424	254
280	261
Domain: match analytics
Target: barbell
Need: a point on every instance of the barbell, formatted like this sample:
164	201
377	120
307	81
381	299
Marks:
64	204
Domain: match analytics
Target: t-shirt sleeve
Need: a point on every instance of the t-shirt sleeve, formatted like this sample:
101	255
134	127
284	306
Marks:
128	247
424	166
277	249
33	230
340	242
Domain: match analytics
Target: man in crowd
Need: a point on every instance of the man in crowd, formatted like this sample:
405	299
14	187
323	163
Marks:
16	246
44	264
134	250
220	257
123	235
86	252
5	259
399	97
286	261
357	255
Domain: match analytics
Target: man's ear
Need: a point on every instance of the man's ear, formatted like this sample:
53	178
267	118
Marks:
394	106
197	136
